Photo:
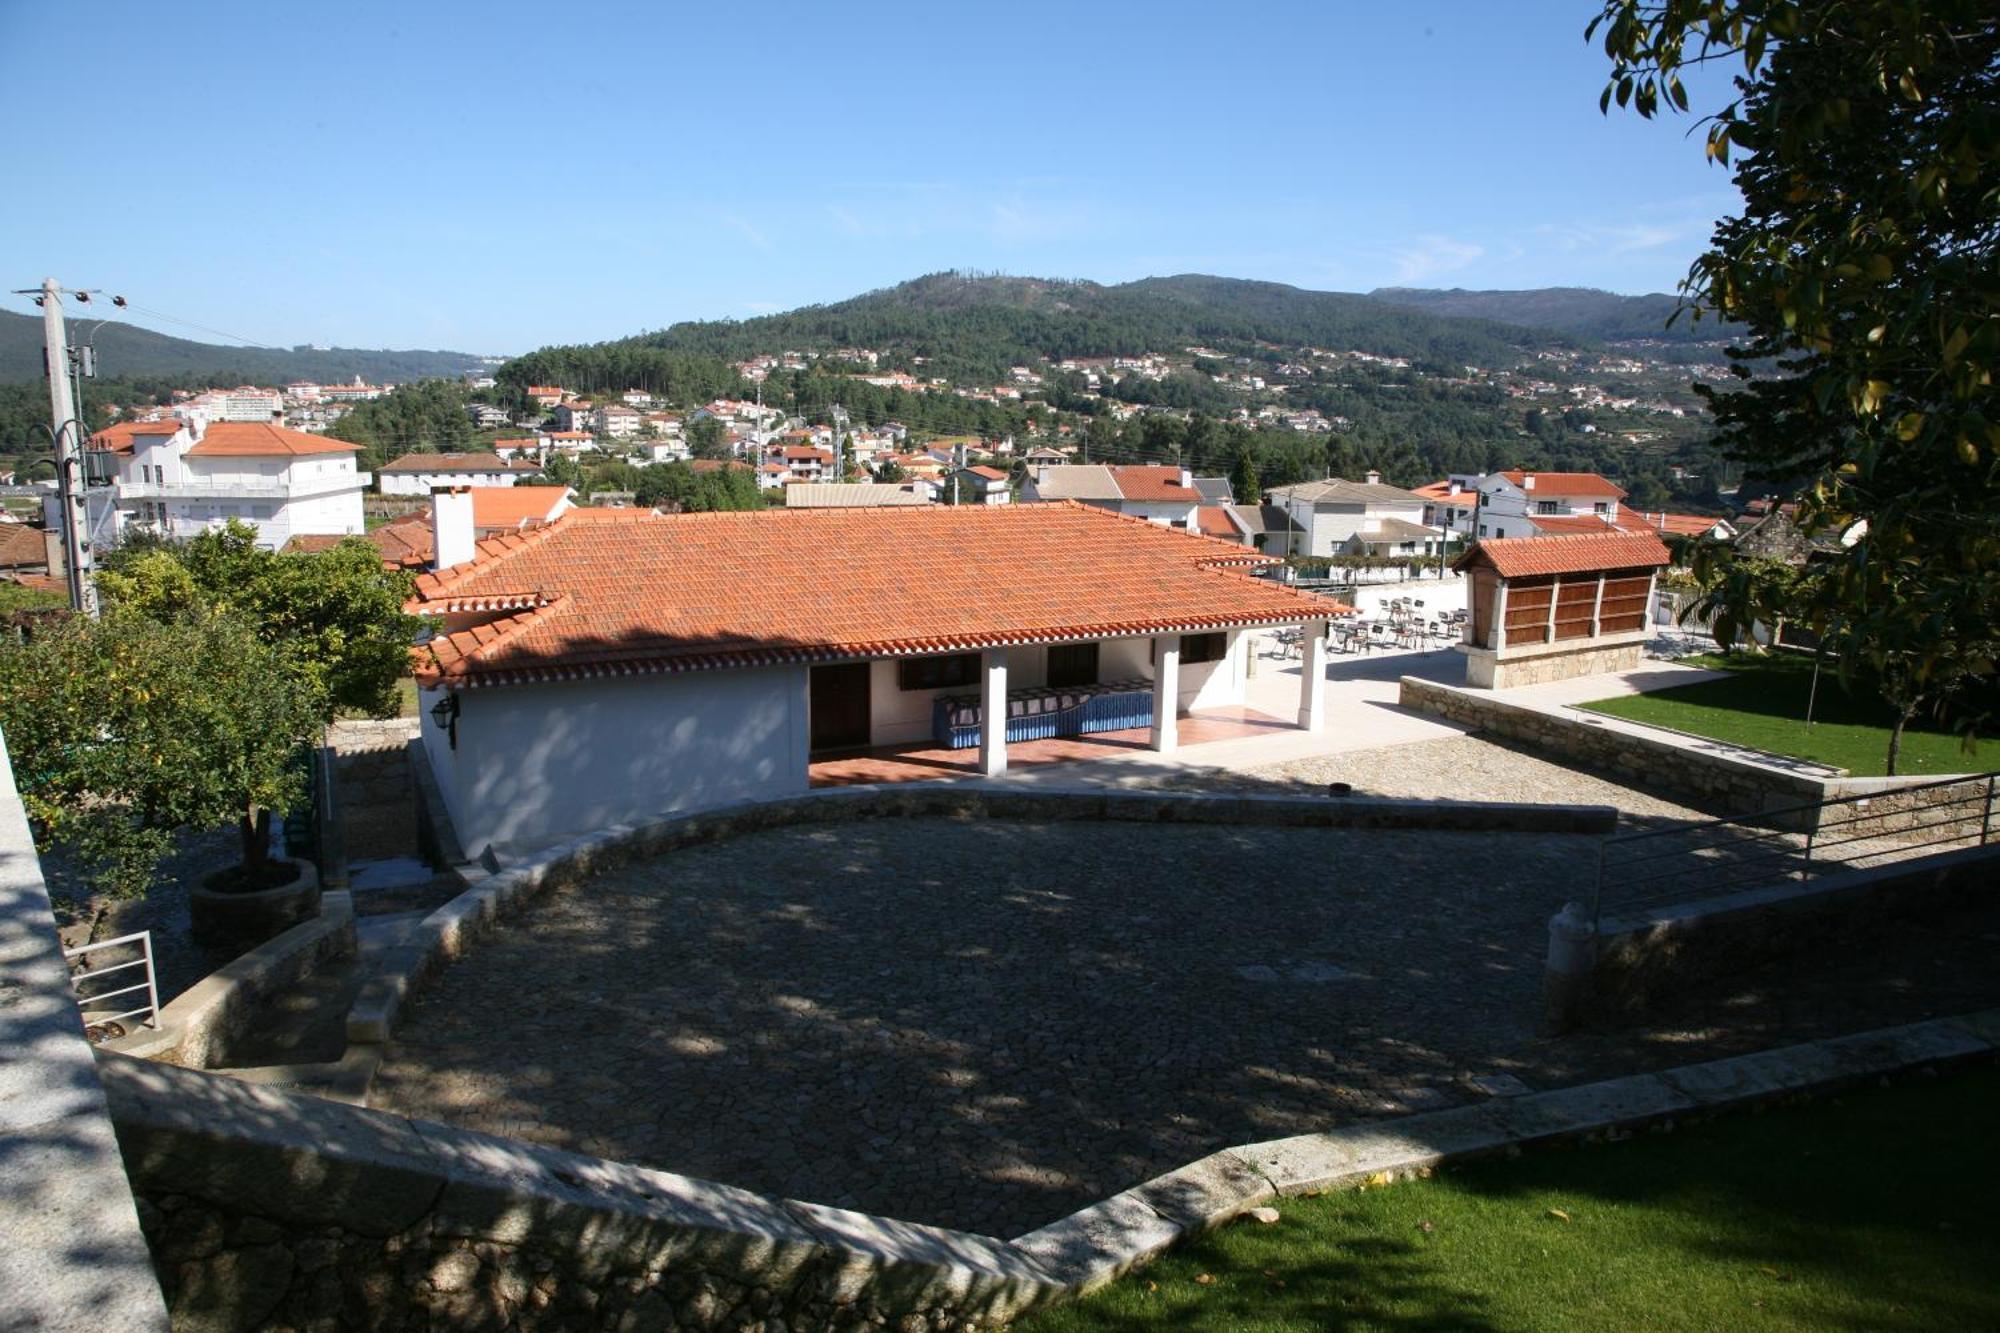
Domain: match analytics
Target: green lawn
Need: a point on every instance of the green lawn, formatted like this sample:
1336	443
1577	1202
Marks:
1762	704
1870	1211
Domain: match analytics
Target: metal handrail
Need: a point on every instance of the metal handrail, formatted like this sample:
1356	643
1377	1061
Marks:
151	1009
1803	806
1751	836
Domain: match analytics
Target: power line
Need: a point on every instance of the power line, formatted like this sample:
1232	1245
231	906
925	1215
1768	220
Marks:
190	324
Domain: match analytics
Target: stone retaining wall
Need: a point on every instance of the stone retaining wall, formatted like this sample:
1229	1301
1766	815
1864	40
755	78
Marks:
198	1026
1730	779
71	1256
1661	952
269	1209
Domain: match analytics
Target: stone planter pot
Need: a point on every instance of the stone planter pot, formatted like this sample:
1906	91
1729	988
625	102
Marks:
242	921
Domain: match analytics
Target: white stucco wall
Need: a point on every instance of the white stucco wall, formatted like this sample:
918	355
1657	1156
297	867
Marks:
536	764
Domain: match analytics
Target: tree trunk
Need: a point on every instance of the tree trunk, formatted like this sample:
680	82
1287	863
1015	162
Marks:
1896	737
255	829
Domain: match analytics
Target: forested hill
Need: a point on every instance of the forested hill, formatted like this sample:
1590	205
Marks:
126	351
971	328
1583	312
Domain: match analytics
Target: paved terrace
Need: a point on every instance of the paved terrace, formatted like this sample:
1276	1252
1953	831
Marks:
987	1025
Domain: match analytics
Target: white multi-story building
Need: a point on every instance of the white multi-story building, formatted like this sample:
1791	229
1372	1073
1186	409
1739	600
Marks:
247	403
420	474
1510	502
1340	517
181	477
616	421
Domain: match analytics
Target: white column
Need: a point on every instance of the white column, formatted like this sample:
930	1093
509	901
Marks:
1166	693
1312	677
993	712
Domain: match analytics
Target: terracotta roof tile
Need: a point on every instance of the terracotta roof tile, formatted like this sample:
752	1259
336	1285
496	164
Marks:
694	591
472	462
260	439
21	544
511	506
1567	553
1145	482
1566	483
119	438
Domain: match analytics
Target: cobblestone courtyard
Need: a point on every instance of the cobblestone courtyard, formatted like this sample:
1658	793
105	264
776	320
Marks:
987	1025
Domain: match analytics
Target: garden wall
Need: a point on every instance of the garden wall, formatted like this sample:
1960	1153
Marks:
1730	780
1657	953
71	1256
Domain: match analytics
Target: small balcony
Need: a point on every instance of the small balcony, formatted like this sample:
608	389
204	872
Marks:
278	489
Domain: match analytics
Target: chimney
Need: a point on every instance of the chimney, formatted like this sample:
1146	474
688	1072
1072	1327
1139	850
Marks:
1372	477
1451	488
451	526
1187	478
1527	481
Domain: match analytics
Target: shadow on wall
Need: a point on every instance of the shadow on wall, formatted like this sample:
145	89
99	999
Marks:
72	1256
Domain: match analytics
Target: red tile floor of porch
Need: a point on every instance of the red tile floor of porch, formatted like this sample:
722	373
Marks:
926	762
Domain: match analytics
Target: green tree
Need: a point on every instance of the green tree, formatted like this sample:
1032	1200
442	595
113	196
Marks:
707	439
335	617
1863	265
1243	482
125	729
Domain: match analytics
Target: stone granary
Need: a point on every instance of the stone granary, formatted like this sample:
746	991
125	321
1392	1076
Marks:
1548	608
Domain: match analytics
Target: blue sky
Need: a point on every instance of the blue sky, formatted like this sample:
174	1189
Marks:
494	177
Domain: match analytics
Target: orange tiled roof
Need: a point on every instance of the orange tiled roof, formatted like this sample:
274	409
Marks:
119	439
1145	482
1553	523
990	473
510	506
693	591
1678	525
1567	483
1214	522
472	462
1566	553
22	545
260	439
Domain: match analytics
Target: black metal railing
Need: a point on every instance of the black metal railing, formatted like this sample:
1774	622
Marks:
1657	867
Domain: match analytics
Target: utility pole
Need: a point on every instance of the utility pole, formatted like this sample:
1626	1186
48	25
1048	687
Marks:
69	452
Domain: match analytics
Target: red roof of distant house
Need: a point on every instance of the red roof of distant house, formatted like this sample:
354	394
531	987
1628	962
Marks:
524	442
1676	525
1140	482
805	454
1441	490
1554	523
990	473
119	439
693	592
260	439
474	462
1214	521
1566	483
22	545
1566	553
569	434
510	506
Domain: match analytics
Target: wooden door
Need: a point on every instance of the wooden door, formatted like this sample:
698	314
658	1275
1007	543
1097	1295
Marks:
839	701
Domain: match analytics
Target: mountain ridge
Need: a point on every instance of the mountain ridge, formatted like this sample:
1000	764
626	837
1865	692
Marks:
127	351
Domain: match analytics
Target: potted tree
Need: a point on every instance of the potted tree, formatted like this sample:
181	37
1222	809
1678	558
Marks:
126	729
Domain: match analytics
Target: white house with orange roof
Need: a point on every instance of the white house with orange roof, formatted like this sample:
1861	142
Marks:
181	477
588	673
1509	502
420	474
1164	495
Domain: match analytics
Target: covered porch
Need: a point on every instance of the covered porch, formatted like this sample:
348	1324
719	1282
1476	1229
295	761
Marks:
928	761
978	713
